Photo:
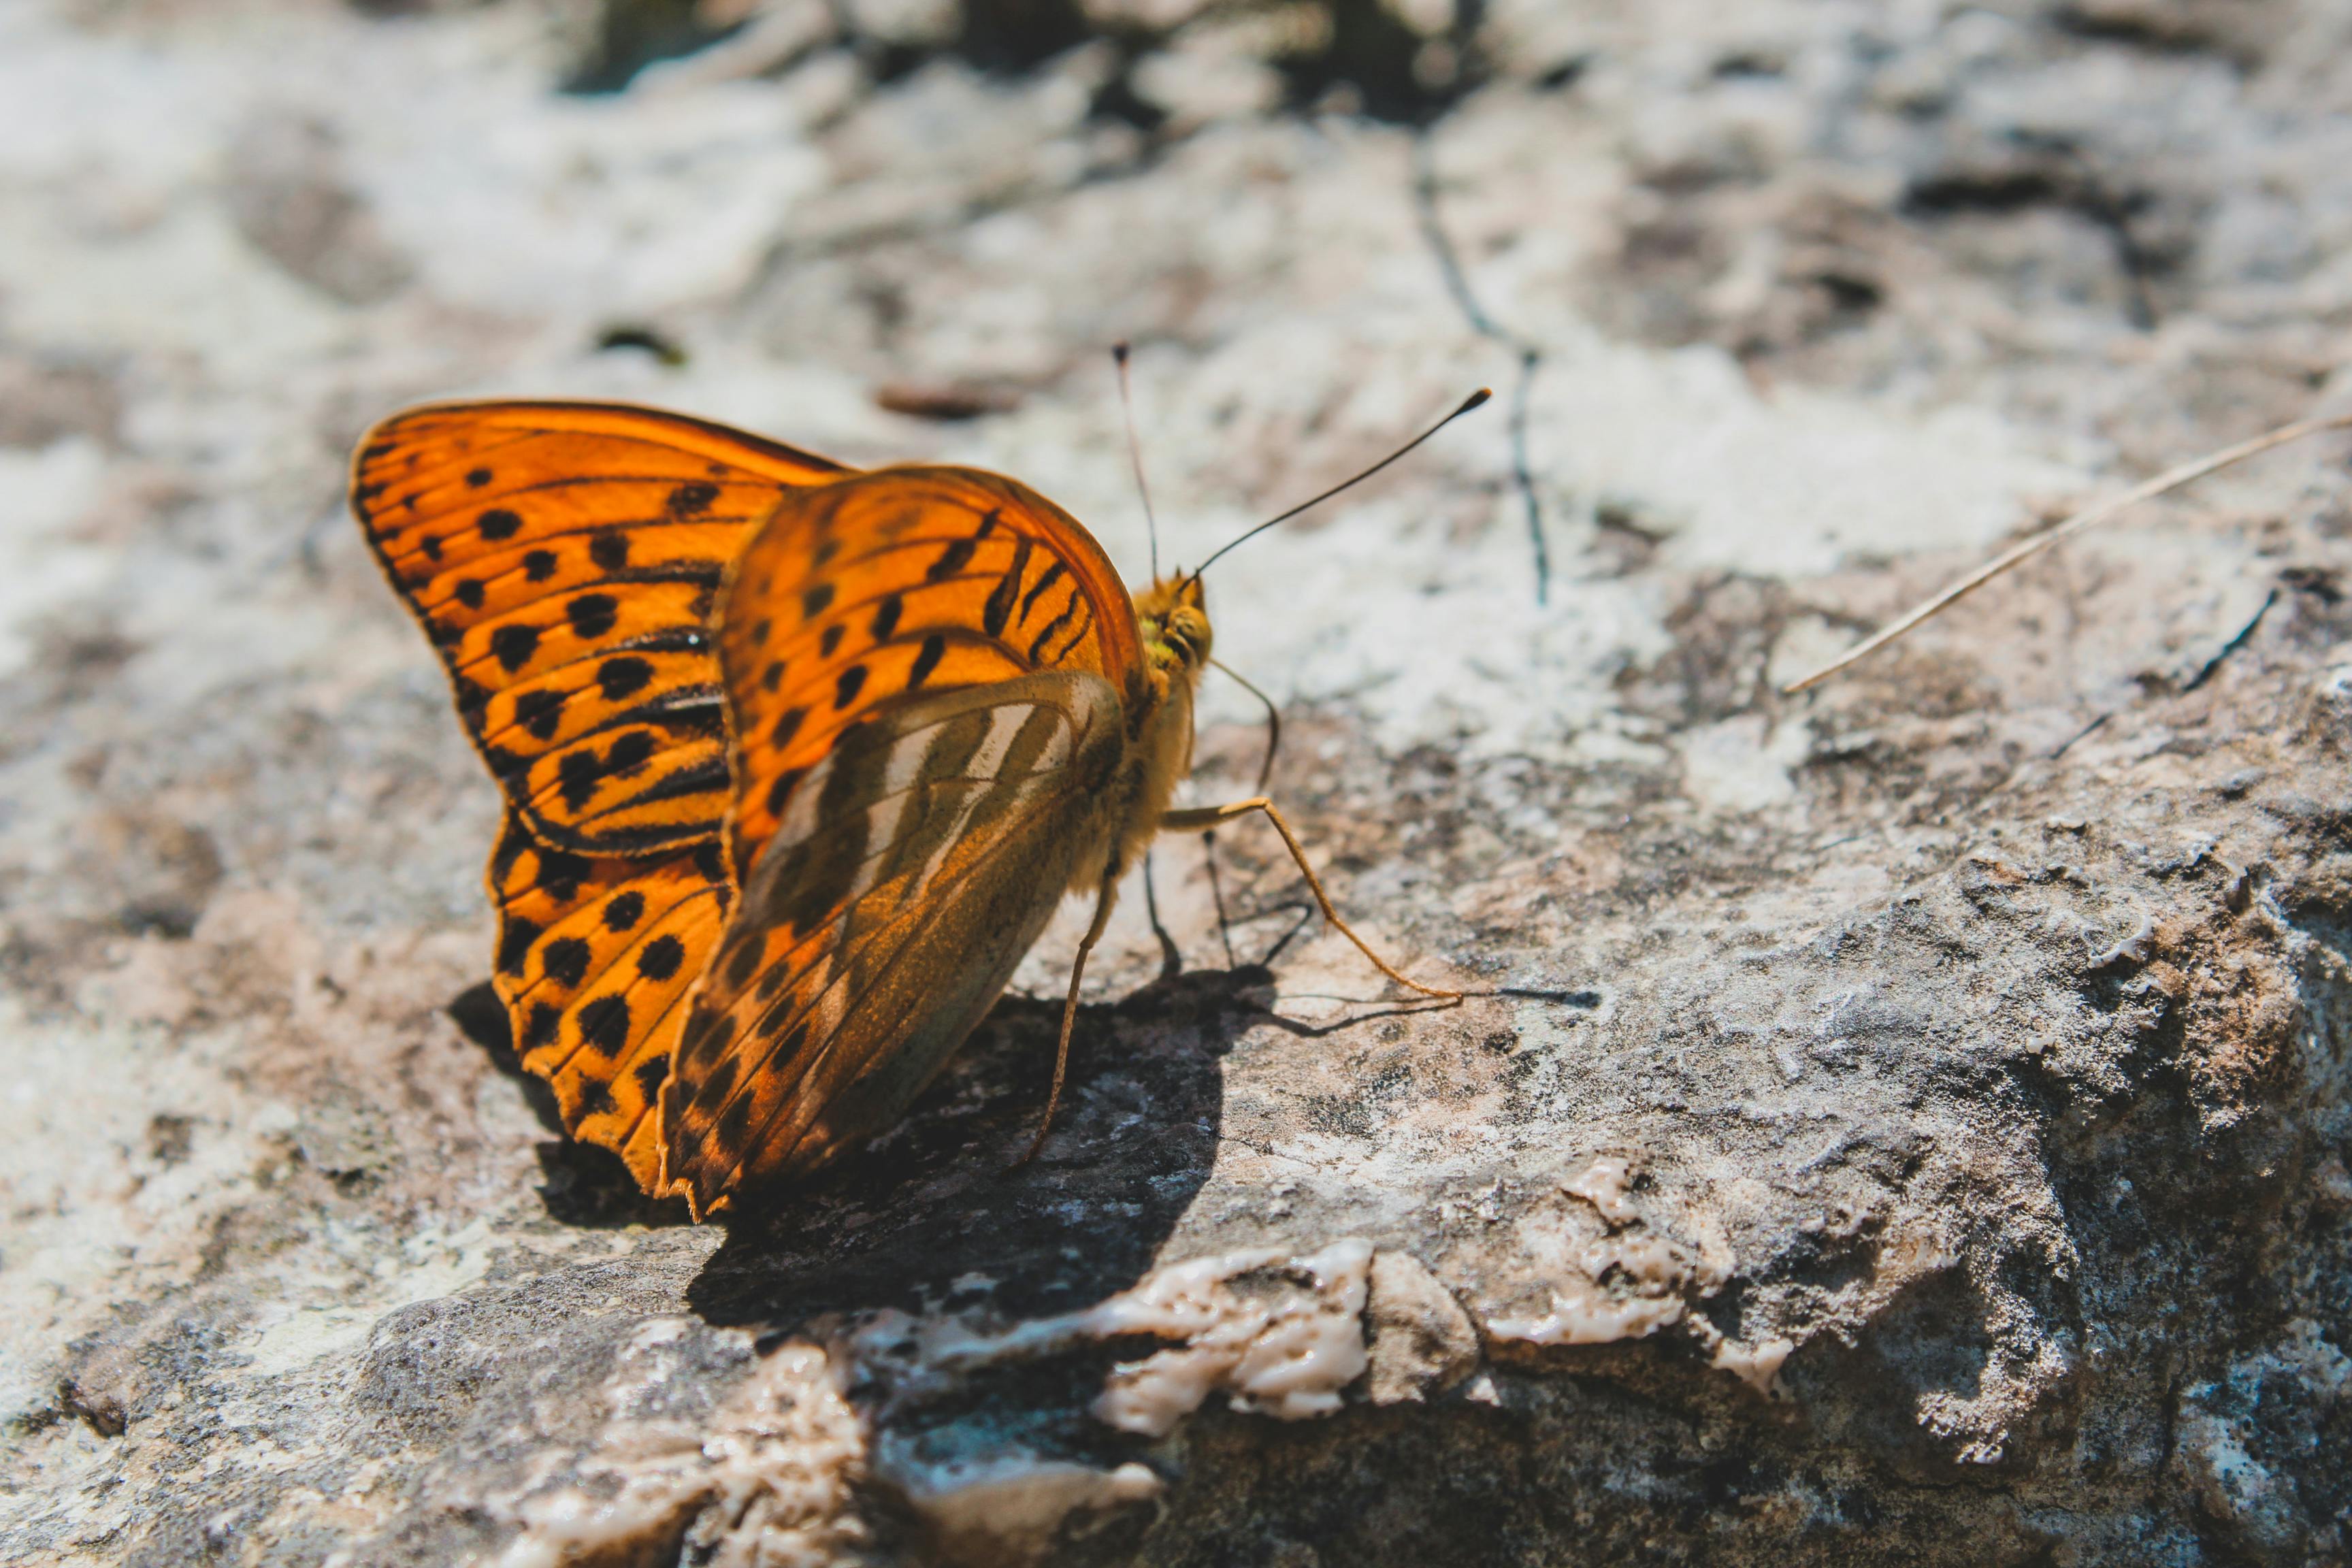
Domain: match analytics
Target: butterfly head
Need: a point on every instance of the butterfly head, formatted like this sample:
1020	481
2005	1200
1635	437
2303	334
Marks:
1174	619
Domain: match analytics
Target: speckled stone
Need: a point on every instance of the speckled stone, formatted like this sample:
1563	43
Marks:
1902	1124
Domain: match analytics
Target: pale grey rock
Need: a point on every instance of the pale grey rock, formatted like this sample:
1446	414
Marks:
1912	1123
1421	1343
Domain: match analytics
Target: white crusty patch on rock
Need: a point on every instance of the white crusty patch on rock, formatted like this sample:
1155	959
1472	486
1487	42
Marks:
1285	1353
1281	1335
761	1482
1625	1284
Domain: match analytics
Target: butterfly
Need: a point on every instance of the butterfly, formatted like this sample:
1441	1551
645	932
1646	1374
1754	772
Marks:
798	758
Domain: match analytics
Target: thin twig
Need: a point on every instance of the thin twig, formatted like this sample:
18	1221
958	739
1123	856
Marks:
2234	644
2084	734
2171	479
1457	284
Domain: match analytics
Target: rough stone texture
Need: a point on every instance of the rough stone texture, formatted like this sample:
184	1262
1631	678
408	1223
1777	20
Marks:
1918	1133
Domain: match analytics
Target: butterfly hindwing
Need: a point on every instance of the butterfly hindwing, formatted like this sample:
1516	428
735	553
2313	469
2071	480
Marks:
564	558
916	863
897	582
596	956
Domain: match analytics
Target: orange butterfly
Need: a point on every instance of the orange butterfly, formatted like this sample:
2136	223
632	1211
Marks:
798	759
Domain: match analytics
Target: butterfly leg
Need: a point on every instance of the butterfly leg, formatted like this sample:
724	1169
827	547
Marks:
1171	959
1070	1010
1209	816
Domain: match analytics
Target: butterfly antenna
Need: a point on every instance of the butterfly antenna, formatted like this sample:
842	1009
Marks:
1473	401
1119	353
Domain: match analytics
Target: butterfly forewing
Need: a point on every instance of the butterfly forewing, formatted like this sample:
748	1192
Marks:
927	671
915	864
564	557
901	581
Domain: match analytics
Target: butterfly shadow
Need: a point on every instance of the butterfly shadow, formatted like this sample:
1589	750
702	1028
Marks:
941	1211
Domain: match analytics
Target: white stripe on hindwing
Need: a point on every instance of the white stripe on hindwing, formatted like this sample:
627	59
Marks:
799	814
1003	727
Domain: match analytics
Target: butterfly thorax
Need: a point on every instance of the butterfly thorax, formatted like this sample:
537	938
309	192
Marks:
1174	625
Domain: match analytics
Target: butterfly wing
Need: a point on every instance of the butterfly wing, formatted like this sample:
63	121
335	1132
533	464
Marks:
596	956
883	919
928	671
562	558
898	582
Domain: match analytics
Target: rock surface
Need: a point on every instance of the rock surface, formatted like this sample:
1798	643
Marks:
1912	1126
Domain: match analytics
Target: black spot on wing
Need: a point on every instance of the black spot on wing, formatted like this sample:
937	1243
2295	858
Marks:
952	560
561	873
577	775
624	910
592	614
541	712
565	961
622	677
629	752
498	523
927	659
609	549
831	640
845	690
886	616
513	645
605	1025
539	565
998	608
515	937
661	958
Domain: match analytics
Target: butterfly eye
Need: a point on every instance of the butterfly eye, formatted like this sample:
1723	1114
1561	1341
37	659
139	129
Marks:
1189	629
